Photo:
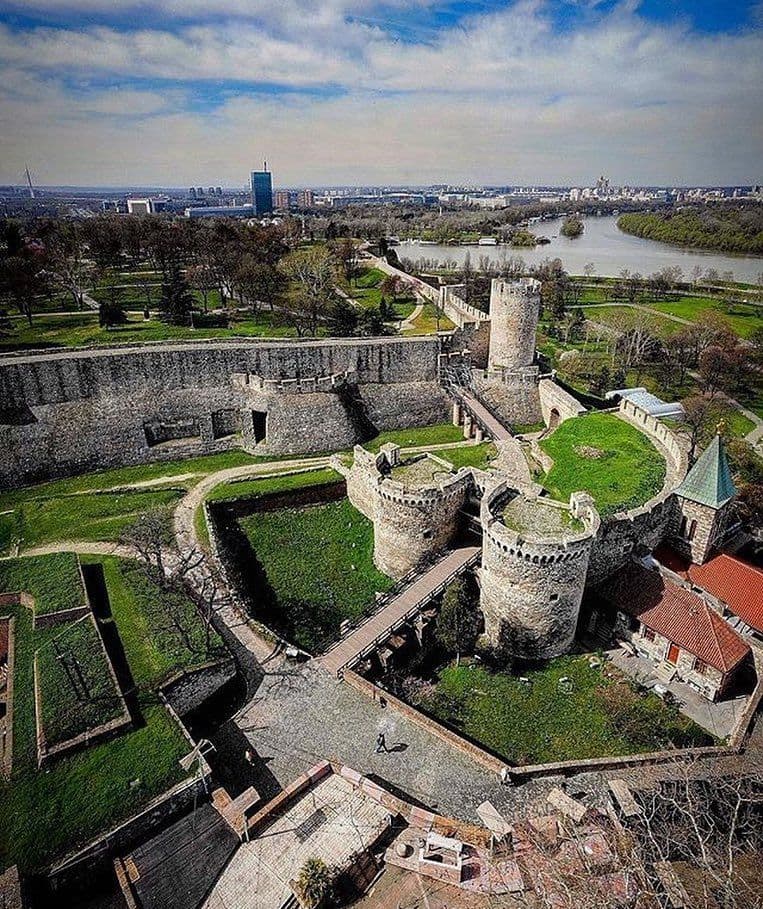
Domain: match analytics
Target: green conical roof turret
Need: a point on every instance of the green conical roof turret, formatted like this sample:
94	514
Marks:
709	481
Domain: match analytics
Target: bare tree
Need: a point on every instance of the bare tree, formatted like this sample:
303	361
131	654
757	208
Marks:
711	831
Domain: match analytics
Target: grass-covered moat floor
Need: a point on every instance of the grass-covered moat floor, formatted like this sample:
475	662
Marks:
316	569
599	713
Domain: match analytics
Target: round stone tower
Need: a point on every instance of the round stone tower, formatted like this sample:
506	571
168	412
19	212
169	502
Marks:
415	505
534	562
514	313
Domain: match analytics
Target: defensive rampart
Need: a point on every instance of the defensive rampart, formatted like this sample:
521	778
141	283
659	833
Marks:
65	412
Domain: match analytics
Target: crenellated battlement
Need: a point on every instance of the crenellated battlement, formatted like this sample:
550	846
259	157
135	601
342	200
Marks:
535	554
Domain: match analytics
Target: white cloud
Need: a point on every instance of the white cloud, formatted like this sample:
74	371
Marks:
501	97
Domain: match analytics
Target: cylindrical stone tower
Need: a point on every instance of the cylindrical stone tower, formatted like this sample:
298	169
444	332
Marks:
514	313
534	563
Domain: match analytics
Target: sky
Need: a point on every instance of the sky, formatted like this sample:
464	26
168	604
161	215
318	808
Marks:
199	92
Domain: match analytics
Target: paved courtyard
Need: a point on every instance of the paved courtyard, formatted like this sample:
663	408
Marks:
718	718
306	716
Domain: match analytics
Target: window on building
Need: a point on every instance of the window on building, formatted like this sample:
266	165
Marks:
647	633
700	666
682	528
692	530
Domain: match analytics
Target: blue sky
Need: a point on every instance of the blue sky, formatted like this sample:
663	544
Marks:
345	91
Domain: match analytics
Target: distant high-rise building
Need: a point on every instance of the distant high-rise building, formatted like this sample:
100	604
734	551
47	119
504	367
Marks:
262	190
218	190
192	192
282	198
305	199
200	191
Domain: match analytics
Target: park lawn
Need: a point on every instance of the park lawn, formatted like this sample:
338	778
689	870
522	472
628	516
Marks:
602	715
628	473
619	316
428	323
434	434
82	329
370	277
403	307
744	319
333	546
88	516
78	796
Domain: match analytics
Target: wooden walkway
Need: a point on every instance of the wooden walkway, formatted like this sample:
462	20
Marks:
483	416
377	627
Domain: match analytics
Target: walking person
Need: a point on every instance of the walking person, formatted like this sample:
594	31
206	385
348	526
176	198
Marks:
381	743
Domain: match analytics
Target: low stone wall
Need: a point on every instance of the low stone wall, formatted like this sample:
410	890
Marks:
556	404
460	313
480	755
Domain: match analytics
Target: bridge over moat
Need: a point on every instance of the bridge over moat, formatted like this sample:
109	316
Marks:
374	630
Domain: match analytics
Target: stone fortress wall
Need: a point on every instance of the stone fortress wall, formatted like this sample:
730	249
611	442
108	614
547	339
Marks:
411	523
72	411
531	584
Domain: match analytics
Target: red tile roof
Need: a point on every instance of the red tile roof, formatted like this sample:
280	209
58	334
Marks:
738	584
676	613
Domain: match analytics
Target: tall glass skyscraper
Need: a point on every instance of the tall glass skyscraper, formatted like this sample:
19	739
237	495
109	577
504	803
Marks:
262	191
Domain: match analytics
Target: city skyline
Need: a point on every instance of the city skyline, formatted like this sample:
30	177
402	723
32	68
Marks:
354	92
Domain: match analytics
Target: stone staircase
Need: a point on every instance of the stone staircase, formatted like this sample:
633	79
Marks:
665	672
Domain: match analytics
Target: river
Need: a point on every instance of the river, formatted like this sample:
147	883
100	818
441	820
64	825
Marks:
602	243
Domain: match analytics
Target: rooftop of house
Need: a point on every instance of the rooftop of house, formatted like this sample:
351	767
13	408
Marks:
709	481
736	583
677	614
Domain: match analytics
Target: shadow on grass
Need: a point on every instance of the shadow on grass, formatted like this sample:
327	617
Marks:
95	583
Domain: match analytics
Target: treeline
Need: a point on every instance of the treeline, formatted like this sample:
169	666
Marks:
732	227
183	268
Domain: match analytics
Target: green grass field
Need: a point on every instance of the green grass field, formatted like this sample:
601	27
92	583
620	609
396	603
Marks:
53	580
471	455
239	489
601	716
68	711
88	516
82	329
333	544
427	322
628	471
46	813
435	434
155	645
744	319
619	317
